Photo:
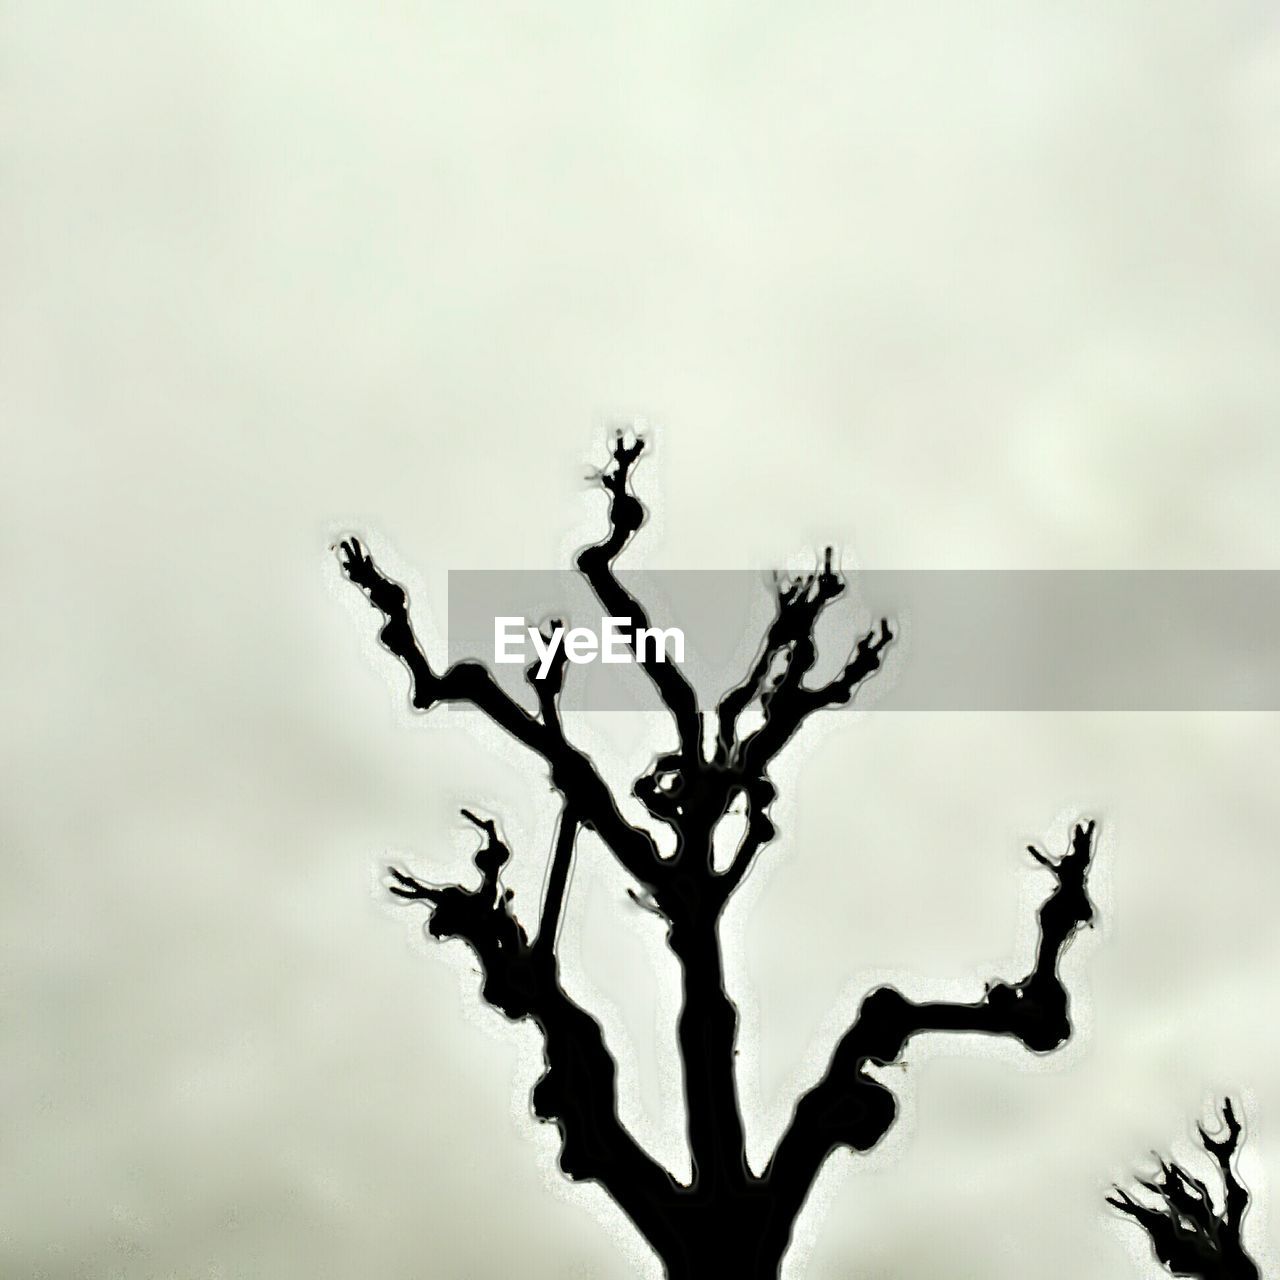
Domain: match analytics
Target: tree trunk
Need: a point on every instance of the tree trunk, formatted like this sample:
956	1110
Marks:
727	1221
733	1235
707	1031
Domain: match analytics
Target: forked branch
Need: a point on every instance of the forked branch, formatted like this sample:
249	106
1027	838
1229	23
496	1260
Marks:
776	679
577	1090
848	1107
572	773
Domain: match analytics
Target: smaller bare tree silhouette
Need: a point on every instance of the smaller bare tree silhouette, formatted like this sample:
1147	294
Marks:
1190	1234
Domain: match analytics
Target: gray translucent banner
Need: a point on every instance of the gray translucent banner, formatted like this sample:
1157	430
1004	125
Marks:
969	640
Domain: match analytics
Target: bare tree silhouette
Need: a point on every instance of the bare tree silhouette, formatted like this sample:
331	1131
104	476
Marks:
1190	1234
729	1219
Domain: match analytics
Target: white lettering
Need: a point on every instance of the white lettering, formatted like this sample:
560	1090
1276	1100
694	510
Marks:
613	640
611	644
545	649
581	645
502	638
659	638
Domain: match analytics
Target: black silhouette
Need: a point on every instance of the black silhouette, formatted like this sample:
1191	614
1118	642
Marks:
1190	1234
729	1219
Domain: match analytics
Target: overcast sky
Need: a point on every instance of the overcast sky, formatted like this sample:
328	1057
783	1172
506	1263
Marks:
949	285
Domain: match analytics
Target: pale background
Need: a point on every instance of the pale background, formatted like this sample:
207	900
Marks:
955	285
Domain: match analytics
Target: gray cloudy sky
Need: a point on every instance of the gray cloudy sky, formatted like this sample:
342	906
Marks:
950	285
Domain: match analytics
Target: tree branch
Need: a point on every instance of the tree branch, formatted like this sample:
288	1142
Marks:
572	773
847	1107
483	918
577	1090
547	688
800	601
785	700
557	886
790	702
626	515
463	682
